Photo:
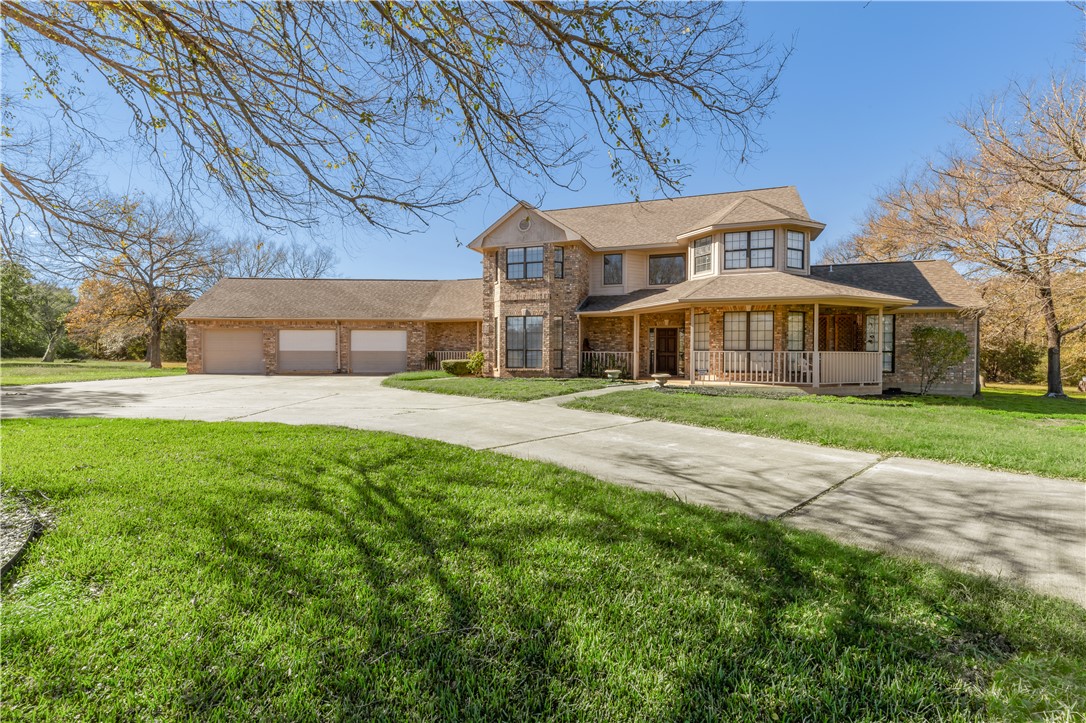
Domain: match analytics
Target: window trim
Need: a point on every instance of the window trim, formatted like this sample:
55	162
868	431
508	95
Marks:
525	348
772	330
887	354
621	269
749	250
525	263
708	247
788	329
802	249
559	262
666	256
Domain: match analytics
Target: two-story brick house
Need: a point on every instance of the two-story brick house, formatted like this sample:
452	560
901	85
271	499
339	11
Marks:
713	288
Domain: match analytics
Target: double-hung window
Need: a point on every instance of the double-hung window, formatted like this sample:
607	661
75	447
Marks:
524	263
670	269
559	262
703	255
612	269
797	328
748	336
558	342
524	342
796	248
748	249
871	339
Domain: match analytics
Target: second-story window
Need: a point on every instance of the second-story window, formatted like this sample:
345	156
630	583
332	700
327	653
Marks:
703	255
670	269
796	243
559	262
524	263
612	269
748	249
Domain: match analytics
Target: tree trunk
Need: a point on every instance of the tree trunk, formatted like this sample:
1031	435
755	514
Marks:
154	345
50	349
1052	331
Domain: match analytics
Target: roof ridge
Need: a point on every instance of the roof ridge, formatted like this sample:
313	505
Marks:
871	263
656	200
332	278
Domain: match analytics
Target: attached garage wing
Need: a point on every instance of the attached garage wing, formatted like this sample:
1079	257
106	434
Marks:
233	351
307	350
378	351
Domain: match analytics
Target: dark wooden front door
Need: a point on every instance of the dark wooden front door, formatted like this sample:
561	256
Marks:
667	351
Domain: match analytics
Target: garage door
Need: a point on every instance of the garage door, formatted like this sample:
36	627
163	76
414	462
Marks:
233	351
378	352
309	350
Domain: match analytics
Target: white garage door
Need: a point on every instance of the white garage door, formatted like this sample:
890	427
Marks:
307	350
233	351
378	352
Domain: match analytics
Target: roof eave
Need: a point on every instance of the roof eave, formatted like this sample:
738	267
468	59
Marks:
477	243
815	225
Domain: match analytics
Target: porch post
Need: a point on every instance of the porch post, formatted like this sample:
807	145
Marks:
636	371
817	353
690	346
580	343
879	333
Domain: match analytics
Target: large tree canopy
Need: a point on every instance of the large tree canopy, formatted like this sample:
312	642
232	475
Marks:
382	111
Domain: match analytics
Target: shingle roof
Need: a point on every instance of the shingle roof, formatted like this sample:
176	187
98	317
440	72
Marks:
934	284
749	287
391	299
660	222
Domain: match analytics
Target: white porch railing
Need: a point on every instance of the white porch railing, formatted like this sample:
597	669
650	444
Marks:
851	367
593	363
788	367
434	358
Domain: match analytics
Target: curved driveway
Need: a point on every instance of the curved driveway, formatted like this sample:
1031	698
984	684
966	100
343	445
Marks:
1026	528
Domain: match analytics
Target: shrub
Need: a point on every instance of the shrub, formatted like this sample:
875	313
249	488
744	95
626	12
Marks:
459	367
935	350
476	360
1012	360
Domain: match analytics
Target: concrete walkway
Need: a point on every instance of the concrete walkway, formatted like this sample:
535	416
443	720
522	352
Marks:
1026	528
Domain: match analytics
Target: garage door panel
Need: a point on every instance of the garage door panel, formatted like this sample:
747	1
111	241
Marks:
380	351
233	351
307	350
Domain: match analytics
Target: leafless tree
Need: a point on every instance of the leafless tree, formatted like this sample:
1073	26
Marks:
391	112
254	257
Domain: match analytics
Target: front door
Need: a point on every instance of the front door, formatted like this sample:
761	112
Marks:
667	351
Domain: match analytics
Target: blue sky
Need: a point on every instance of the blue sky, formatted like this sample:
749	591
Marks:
869	92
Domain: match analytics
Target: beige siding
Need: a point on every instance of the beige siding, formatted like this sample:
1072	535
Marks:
509	234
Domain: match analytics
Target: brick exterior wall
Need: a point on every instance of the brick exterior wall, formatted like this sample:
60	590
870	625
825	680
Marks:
452	336
960	380
671	319
547	297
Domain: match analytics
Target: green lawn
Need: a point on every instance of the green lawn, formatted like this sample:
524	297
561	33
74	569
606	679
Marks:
242	571
1007	428
519	390
15	372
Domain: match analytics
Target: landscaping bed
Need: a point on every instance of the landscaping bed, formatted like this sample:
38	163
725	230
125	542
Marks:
1005	429
521	390
262	571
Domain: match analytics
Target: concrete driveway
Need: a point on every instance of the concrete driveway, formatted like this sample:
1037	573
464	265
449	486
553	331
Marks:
1029	529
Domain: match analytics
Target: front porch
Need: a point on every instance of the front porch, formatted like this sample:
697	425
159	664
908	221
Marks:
813	346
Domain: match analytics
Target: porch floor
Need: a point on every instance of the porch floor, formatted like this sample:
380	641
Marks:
837	390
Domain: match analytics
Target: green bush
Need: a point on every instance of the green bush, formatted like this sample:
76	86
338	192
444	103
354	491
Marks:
476	360
459	367
935	350
1012	360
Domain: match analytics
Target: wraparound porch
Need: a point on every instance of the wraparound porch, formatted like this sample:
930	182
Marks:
806	345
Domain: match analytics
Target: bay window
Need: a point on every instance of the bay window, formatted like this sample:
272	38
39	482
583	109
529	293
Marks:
702	250
748	250
796	249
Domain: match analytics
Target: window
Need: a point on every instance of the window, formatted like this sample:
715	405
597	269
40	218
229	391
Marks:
797	328
667	269
524	263
559	262
558	342
524	342
612	269
735	330
748	249
761	330
701	332
749	336
796	248
703	255
871	341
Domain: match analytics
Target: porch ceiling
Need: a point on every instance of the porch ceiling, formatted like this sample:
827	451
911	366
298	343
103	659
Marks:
743	288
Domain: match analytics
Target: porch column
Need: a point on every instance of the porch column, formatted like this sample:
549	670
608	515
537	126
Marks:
879	333
636	371
817	353
690	345
580	343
